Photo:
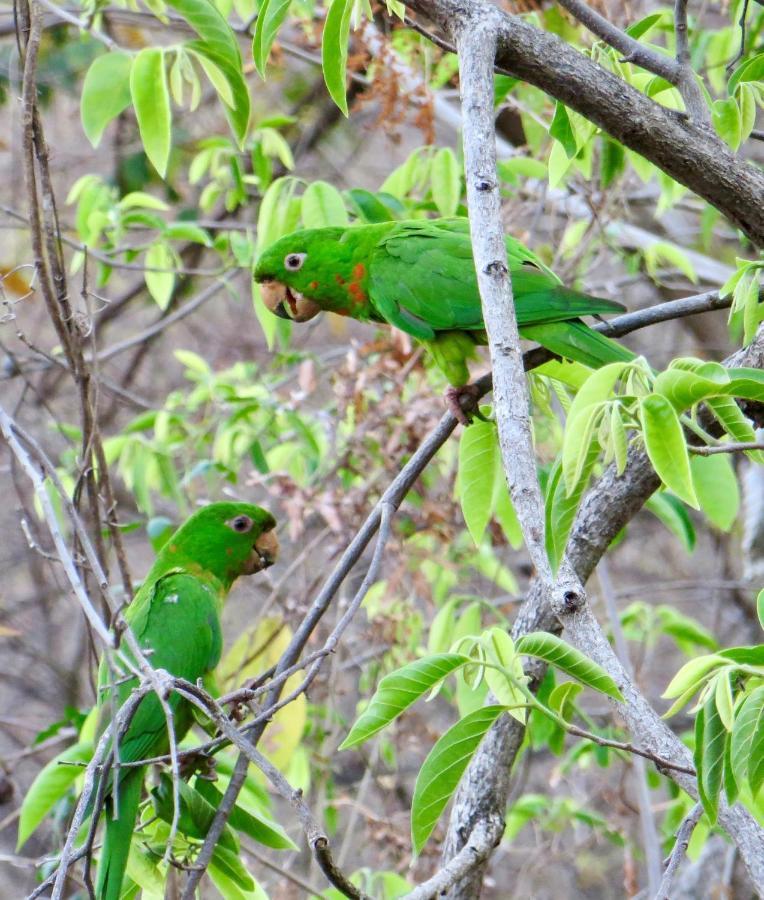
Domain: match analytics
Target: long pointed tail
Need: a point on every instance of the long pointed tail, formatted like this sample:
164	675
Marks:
575	340
118	835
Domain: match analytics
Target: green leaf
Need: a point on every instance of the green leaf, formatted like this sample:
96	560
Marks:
195	814
725	115
612	161
105	93
151	99
579	435
640	28
750	70
760	607
260	829
573	662
560	509
237	111
562	131
716	488
446	181
747	752
723	698
673	513
369	207
160	284
441	771
563	699
665	445
478	452
398	690
231	867
322	205
504	685
334	50
692	675
49	786
709	756
269	20
684	388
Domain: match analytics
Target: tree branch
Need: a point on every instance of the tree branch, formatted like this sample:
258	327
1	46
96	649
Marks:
689	153
678	852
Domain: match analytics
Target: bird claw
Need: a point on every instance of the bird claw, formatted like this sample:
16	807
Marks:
461	402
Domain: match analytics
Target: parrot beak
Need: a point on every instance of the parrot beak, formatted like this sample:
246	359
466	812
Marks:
286	303
264	553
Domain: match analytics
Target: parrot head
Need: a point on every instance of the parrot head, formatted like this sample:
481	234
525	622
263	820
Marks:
226	539
299	271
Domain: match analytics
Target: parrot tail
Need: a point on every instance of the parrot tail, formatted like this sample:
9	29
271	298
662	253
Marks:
118	835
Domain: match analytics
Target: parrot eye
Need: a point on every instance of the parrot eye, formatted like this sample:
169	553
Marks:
241	524
294	261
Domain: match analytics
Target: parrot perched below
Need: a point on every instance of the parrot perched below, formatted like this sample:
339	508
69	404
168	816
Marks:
419	275
175	617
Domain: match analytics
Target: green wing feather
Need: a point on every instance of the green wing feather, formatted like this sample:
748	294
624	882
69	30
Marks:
422	280
177	620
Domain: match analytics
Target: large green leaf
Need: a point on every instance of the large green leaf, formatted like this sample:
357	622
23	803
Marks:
236	102
478	452
666	447
260	829
322	205
151	99
747	752
446	182
711	738
49	786
398	690
716	488
195	813
558	653
334	50
105	93
443	768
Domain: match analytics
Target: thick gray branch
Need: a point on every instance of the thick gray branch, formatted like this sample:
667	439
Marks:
606	509
690	153
476	48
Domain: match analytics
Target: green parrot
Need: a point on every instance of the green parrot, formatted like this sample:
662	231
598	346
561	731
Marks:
419	275
175	617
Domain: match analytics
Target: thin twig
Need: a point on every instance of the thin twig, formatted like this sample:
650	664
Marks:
678	851
732	447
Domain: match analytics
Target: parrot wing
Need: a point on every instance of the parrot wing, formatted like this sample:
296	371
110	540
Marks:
422	280
179	627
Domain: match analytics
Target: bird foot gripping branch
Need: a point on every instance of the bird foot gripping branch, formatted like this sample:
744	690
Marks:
462	403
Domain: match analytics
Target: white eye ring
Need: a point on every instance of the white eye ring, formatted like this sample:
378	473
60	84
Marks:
242	524
293	261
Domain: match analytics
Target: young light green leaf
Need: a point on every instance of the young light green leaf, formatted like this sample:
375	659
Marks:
723	698
322	205
560	509
684	388
673	513
500	650
269	20
573	662
49	786
446	181
160	256
747	752
478	452
562	130
760	607
579	435
334	50
725	115
238	109
693	674
105	93
151	99
716	488
504	511
709	756
443	768
563	698
666	447
619	438
398	690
